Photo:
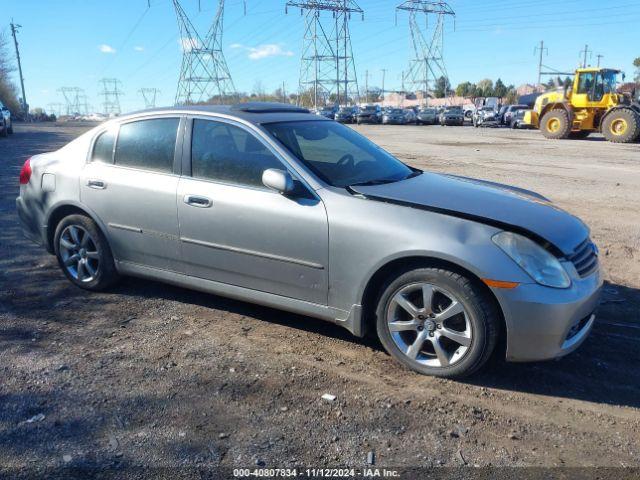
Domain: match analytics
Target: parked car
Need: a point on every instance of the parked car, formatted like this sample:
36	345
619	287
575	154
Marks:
369	114
345	115
273	205
486	117
6	124
398	116
328	112
509	113
452	116
427	116
501	111
517	120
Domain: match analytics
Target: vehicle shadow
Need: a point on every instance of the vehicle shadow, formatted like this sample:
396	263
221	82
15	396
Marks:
606	369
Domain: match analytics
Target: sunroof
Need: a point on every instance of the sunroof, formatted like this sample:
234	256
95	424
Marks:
268	107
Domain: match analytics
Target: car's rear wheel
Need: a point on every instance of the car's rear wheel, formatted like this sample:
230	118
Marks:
10	130
83	253
437	322
4	132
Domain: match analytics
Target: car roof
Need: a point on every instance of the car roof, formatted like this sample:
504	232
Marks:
252	112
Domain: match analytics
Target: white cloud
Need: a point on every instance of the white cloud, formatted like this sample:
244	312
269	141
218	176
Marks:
104	48
264	51
139	48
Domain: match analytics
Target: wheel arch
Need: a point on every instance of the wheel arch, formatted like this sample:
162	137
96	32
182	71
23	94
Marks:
398	265
62	210
617	108
555	106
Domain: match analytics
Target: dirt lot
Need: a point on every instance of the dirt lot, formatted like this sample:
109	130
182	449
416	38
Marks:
149	376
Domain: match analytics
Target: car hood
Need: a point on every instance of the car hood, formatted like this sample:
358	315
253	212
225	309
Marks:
503	206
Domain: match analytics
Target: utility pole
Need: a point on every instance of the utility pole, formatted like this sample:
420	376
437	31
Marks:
600	56
384	74
586	51
542	50
25	107
366	86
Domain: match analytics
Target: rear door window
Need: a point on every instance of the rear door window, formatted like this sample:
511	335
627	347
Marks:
103	147
148	144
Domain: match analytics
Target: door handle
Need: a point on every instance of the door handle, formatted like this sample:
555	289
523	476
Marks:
97	184
197	201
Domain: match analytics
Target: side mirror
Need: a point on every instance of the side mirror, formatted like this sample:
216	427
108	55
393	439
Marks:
278	180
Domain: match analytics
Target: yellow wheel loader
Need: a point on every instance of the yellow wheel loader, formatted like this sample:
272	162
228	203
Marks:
590	105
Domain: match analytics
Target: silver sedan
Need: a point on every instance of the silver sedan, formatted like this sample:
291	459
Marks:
270	204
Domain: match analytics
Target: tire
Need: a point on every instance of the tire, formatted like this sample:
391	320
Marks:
98	271
621	126
514	125
581	135
420	333
4	133
555	124
10	130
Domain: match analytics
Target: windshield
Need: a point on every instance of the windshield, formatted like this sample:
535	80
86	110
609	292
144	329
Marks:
368	109
453	110
337	154
397	111
609	80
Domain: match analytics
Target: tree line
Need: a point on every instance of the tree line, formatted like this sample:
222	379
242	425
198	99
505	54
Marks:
8	91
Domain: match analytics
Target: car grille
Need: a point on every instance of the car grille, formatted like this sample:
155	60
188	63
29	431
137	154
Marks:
585	258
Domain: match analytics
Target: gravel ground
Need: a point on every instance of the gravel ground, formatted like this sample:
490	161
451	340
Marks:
148	376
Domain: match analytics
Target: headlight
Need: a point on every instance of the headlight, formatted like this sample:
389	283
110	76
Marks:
542	266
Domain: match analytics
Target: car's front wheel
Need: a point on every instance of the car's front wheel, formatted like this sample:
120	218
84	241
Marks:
437	322
83	253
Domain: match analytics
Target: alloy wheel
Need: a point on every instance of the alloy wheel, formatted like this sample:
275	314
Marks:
79	253
429	325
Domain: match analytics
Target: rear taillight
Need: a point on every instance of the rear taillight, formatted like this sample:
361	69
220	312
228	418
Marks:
25	173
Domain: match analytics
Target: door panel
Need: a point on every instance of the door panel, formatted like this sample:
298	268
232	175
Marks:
139	210
131	185
254	238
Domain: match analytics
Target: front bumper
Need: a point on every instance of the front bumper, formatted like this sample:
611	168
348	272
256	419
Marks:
545	323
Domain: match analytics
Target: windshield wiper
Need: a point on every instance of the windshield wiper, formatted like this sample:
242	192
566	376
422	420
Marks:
383	181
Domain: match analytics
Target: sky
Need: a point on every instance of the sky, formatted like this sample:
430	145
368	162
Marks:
75	43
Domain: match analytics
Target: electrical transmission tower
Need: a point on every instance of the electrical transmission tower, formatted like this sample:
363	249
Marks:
73	99
204	75
111	93
427	42
55	108
149	96
327	67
